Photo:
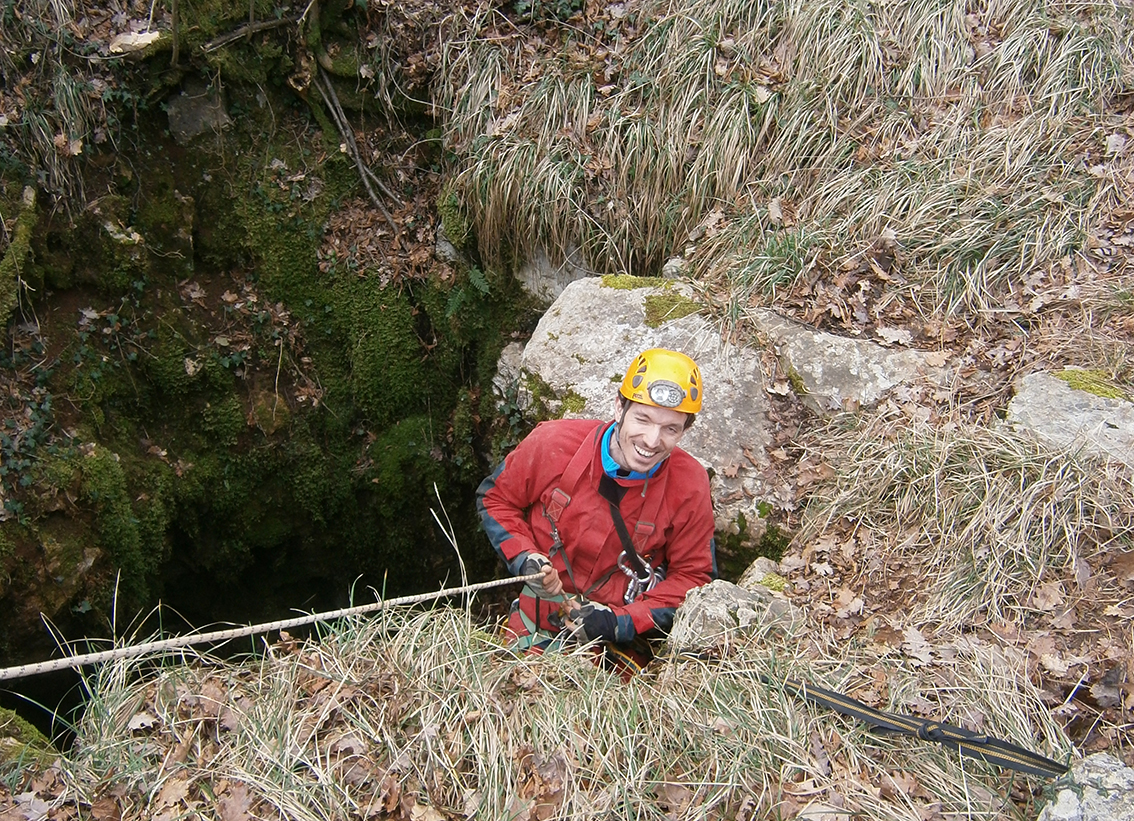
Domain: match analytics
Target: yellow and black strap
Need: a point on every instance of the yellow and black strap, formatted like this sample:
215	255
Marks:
986	748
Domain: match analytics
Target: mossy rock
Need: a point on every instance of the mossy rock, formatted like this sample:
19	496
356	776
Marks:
454	219
628	282
1093	381
22	744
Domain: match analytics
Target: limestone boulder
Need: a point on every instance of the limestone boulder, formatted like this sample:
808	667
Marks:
1100	788
834	373
545	278
715	615
1050	408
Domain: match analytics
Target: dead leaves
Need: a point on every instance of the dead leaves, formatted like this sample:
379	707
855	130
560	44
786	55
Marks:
543	783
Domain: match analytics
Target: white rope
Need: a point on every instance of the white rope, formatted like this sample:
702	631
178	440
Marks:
239	632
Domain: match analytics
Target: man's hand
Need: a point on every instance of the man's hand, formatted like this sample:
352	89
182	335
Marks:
550	584
591	621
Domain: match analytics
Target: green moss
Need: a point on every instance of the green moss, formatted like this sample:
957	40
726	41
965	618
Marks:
668	306
270	412
626	282
14	264
224	420
165	367
773	581
542	395
1093	381
453	218
387	376
736	552
797	383
22	745
104	487
573	403
773	543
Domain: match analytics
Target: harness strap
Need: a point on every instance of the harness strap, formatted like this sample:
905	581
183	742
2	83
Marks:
613	493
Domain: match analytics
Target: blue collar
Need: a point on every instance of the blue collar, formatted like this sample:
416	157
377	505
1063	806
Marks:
612	468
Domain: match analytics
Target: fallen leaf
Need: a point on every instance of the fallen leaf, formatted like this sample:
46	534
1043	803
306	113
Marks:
674	797
141	721
916	647
172	791
894	336
235	805
106	808
1054	663
888	635
31	806
1106	696
847	604
1048	596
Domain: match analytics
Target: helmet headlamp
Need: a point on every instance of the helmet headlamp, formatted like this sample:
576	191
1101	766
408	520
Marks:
665	394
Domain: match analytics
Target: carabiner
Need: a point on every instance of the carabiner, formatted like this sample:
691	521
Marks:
638	584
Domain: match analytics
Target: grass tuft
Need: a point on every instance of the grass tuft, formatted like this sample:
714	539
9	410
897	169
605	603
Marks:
987	516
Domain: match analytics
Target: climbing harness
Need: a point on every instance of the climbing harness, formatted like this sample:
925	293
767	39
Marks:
975	745
178	642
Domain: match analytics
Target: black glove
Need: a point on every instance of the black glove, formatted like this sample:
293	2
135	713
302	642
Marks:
535	563
594	622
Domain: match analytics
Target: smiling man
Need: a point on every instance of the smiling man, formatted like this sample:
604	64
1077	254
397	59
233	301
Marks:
615	515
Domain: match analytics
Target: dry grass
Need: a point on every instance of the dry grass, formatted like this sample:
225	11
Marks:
423	715
960	134
986	515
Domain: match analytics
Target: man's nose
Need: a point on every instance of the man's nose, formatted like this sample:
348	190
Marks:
653	436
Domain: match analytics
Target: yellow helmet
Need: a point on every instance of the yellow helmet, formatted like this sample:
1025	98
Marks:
664	379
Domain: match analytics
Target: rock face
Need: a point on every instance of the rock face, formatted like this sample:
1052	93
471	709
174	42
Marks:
196	110
1101	789
837	373
545	280
582	345
1053	411
579	352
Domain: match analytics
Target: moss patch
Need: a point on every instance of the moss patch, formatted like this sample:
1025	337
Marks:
668	306
626	282
15	258
453	218
773	581
1093	381
573	402
23	744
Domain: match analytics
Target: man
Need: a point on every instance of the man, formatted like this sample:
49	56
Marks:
615	515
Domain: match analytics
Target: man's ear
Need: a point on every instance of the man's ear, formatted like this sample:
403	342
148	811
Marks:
619	405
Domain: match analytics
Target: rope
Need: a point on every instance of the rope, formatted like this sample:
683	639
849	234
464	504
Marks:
249	630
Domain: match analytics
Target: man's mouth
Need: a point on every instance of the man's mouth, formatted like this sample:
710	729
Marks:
645	454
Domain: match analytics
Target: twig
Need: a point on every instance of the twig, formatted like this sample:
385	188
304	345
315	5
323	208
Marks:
331	99
248	29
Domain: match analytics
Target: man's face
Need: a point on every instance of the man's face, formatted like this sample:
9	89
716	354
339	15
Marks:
646	435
